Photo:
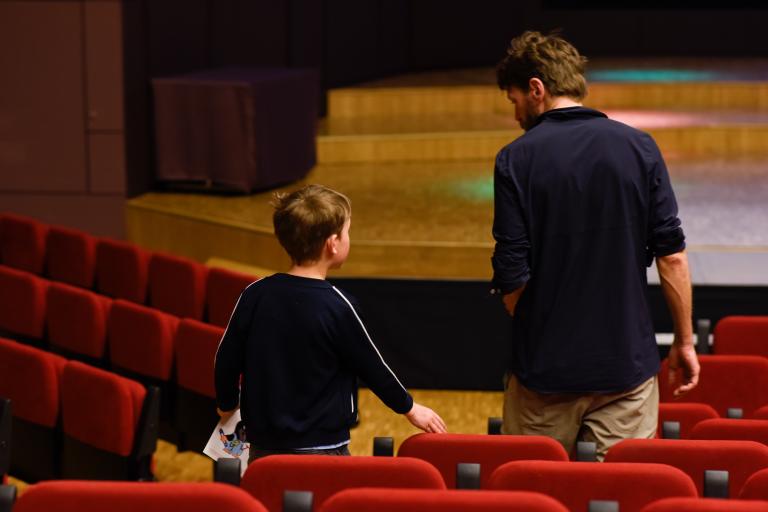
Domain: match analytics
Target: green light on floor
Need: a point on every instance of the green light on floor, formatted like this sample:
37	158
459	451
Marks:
474	189
652	75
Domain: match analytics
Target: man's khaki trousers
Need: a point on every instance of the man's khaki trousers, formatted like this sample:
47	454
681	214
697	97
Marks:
604	419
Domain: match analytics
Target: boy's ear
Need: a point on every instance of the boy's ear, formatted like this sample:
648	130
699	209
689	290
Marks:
330	243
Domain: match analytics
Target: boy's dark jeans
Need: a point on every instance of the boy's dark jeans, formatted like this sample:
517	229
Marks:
256	453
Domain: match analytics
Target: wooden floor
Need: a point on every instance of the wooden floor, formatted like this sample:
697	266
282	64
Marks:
415	154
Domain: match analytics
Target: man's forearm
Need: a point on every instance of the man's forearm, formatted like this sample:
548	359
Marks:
675	280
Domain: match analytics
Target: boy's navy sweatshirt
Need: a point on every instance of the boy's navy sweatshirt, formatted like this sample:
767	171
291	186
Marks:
300	345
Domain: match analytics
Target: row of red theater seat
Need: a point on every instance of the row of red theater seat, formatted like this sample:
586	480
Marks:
96	496
122	270
141	342
72	420
633	485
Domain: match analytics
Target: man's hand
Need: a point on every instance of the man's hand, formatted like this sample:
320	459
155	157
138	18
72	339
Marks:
683	361
510	300
426	419
225	415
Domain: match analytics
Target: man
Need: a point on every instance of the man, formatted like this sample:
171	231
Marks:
582	205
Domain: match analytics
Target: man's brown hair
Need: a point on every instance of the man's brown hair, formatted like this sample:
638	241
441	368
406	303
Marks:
549	58
304	220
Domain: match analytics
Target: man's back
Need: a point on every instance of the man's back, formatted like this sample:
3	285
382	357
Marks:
587	192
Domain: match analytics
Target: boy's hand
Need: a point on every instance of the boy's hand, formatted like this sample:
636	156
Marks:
426	419
225	415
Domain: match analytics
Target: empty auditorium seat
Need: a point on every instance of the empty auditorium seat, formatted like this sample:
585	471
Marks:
706	505
22	243
81	496
5	437
694	457
756	486
742	335
723	428
177	285
121	270
77	321
445	451
71	256
422	500
685	414
109	424
576	484
196	344
224	288
22	303
726	382
267	478
761	413
141	340
30	378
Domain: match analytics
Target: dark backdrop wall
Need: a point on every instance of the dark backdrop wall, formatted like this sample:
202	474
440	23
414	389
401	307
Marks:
350	41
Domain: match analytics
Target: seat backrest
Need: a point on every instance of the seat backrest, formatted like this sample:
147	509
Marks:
77	320
267	478
22	243
744	335
425	500
177	285
31	377
91	496
724	428
575	484
705	505
141	339
224	288
196	345
71	256
121	270
686	414
100	408
761	413
726	381
22	303
756	486
445	451
694	457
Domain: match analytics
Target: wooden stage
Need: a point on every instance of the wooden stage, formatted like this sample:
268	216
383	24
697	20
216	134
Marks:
415	154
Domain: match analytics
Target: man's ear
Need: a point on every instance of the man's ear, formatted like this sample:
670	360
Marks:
536	88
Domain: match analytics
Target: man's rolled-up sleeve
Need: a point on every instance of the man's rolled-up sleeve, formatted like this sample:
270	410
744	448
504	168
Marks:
665	234
510	257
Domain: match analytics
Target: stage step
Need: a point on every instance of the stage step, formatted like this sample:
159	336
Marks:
445	137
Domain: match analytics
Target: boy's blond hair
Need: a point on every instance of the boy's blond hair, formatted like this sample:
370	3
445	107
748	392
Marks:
305	218
549	58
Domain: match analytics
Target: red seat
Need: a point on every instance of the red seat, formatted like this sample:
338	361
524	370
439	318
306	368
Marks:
706	505
761	413
694	457
141	339
726	381
31	379
83	496
71	256
121	270
421	500
22	303
196	344
77	320
756	486
177	285
267	478
686	414
445	451
105	422
722	428
22	243
224	288
575	484
746	335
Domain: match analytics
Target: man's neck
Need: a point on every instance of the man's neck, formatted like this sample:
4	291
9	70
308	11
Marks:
315	270
560	102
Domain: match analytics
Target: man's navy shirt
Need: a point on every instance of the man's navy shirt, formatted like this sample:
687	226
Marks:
582	206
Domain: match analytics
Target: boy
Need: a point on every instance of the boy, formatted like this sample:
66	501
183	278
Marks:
300	345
